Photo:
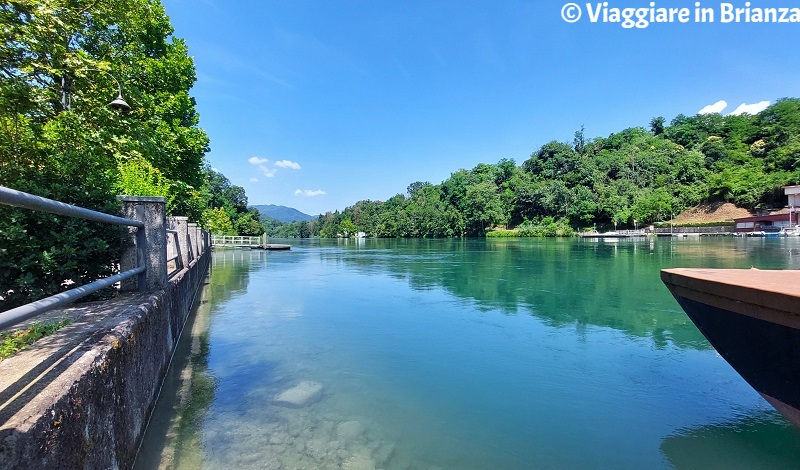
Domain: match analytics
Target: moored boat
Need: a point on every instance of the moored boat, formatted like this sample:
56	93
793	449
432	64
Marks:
752	318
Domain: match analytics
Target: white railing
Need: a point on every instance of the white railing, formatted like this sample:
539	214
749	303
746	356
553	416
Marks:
243	241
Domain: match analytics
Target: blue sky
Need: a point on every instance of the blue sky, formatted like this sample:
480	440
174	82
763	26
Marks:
316	104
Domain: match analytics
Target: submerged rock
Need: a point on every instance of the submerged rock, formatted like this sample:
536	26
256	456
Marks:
359	461
302	394
383	453
350	430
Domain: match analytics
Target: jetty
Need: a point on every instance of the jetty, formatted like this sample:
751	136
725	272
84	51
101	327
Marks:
256	242
616	234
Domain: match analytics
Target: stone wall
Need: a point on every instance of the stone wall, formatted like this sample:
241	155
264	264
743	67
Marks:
82	397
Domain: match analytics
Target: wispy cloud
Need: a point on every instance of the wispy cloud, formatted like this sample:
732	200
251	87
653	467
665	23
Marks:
254	180
261	163
714	108
258	161
268	171
309	193
287	164
754	108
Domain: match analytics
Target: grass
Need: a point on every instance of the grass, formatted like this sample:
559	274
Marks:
11	342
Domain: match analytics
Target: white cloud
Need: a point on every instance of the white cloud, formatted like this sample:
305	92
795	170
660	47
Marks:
214	169
269	172
261	163
287	164
754	108
257	161
714	108
309	193
254	180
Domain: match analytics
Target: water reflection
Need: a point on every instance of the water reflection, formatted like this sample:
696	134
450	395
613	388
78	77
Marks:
747	442
190	387
567	282
187	394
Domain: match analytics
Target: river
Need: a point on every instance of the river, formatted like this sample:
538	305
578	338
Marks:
463	354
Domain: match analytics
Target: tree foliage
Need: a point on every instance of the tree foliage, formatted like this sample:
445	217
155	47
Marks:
60	65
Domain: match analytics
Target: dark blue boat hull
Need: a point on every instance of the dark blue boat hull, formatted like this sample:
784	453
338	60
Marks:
765	354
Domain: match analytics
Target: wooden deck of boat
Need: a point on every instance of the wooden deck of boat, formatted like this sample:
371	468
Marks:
772	295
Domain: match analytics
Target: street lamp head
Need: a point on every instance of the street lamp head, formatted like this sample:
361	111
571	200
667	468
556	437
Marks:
119	104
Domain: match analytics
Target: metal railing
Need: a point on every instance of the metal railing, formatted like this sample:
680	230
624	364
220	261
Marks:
228	240
23	200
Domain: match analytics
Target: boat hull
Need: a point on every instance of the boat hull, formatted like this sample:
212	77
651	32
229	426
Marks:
751	318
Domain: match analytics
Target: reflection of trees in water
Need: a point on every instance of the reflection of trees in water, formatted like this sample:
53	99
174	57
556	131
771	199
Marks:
230	272
761	441
230	276
564	282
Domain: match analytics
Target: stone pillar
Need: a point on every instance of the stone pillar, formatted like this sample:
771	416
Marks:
180	225
150	246
193	241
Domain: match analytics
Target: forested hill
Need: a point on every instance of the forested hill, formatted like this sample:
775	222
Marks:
282	213
638	175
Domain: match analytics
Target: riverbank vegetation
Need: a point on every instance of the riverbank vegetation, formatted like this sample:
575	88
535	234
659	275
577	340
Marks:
634	177
61	63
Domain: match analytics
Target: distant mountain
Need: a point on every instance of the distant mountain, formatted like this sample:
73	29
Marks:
283	213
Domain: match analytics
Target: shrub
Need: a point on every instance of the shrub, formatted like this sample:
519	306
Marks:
502	234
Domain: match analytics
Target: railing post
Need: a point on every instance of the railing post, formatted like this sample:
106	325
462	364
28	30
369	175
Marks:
180	225
193	241
150	244
201	244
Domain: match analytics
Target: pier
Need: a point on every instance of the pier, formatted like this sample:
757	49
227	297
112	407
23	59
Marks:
257	242
615	234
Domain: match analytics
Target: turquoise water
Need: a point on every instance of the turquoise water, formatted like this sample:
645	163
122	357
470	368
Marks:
464	354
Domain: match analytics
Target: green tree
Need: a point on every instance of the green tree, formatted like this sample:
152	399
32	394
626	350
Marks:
248	224
59	139
217	222
657	125
483	207
347	228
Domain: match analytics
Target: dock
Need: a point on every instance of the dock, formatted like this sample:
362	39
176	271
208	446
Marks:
258	243
616	234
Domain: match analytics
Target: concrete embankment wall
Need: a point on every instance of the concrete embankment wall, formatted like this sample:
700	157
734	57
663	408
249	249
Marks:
81	398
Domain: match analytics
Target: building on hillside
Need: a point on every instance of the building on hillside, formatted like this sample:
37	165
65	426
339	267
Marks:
774	221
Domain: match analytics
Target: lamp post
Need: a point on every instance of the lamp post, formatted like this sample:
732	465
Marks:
118	103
